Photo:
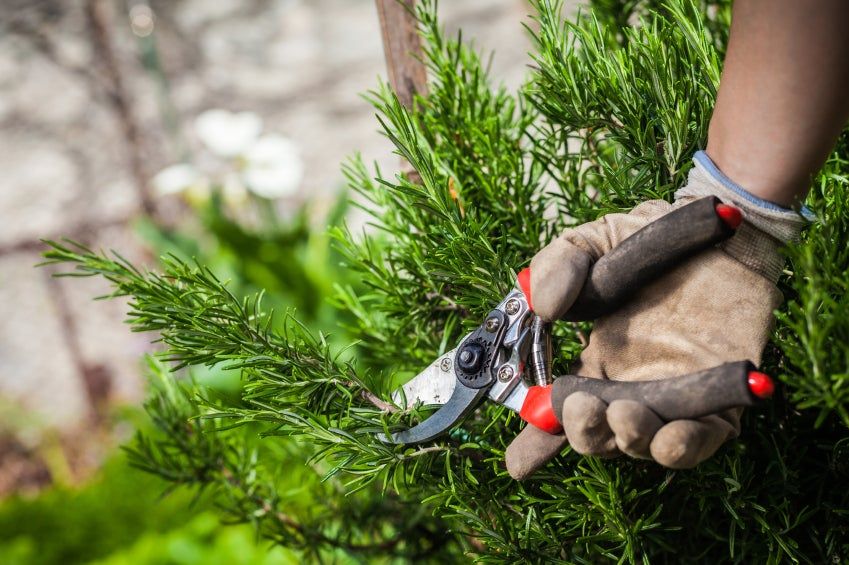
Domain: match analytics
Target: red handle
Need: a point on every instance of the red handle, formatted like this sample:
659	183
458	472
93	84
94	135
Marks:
537	410
524	279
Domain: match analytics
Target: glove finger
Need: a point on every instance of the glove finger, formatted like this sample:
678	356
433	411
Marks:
633	425
585	424
558	273
683	444
530	450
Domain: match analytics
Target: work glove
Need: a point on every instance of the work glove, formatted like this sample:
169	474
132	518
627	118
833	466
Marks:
714	308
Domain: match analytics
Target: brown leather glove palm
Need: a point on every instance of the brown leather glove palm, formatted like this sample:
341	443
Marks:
714	308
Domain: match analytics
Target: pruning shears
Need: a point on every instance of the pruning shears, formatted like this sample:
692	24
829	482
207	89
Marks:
508	357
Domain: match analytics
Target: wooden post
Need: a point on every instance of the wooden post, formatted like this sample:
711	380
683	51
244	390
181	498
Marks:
407	73
401	46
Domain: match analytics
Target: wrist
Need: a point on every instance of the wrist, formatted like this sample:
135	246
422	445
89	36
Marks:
768	176
783	224
776	195
766	225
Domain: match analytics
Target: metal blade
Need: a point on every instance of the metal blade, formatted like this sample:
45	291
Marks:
517	398
434	385
463	400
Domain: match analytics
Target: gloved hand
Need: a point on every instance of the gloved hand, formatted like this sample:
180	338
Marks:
714	308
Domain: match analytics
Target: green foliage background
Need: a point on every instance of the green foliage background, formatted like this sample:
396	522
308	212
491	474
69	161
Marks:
121	517
615	106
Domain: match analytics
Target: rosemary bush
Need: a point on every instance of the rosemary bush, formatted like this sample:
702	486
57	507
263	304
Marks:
616	104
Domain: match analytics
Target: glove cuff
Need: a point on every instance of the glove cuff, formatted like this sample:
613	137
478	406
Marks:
766	226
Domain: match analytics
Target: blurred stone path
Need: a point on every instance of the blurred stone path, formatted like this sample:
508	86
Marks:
66	161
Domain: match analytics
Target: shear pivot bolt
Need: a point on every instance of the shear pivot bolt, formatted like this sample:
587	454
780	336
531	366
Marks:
445	365
505	373
492	324
512	306
471	358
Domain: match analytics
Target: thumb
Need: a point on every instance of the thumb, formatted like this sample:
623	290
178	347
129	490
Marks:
532	449
557	274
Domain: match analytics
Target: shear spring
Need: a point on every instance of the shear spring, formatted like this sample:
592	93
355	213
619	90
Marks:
540	360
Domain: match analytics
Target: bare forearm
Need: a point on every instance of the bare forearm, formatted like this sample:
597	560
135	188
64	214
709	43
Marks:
784	95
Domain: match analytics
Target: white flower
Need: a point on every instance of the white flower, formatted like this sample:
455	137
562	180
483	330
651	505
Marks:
198	194
233	190
273	167
176	178
227	134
